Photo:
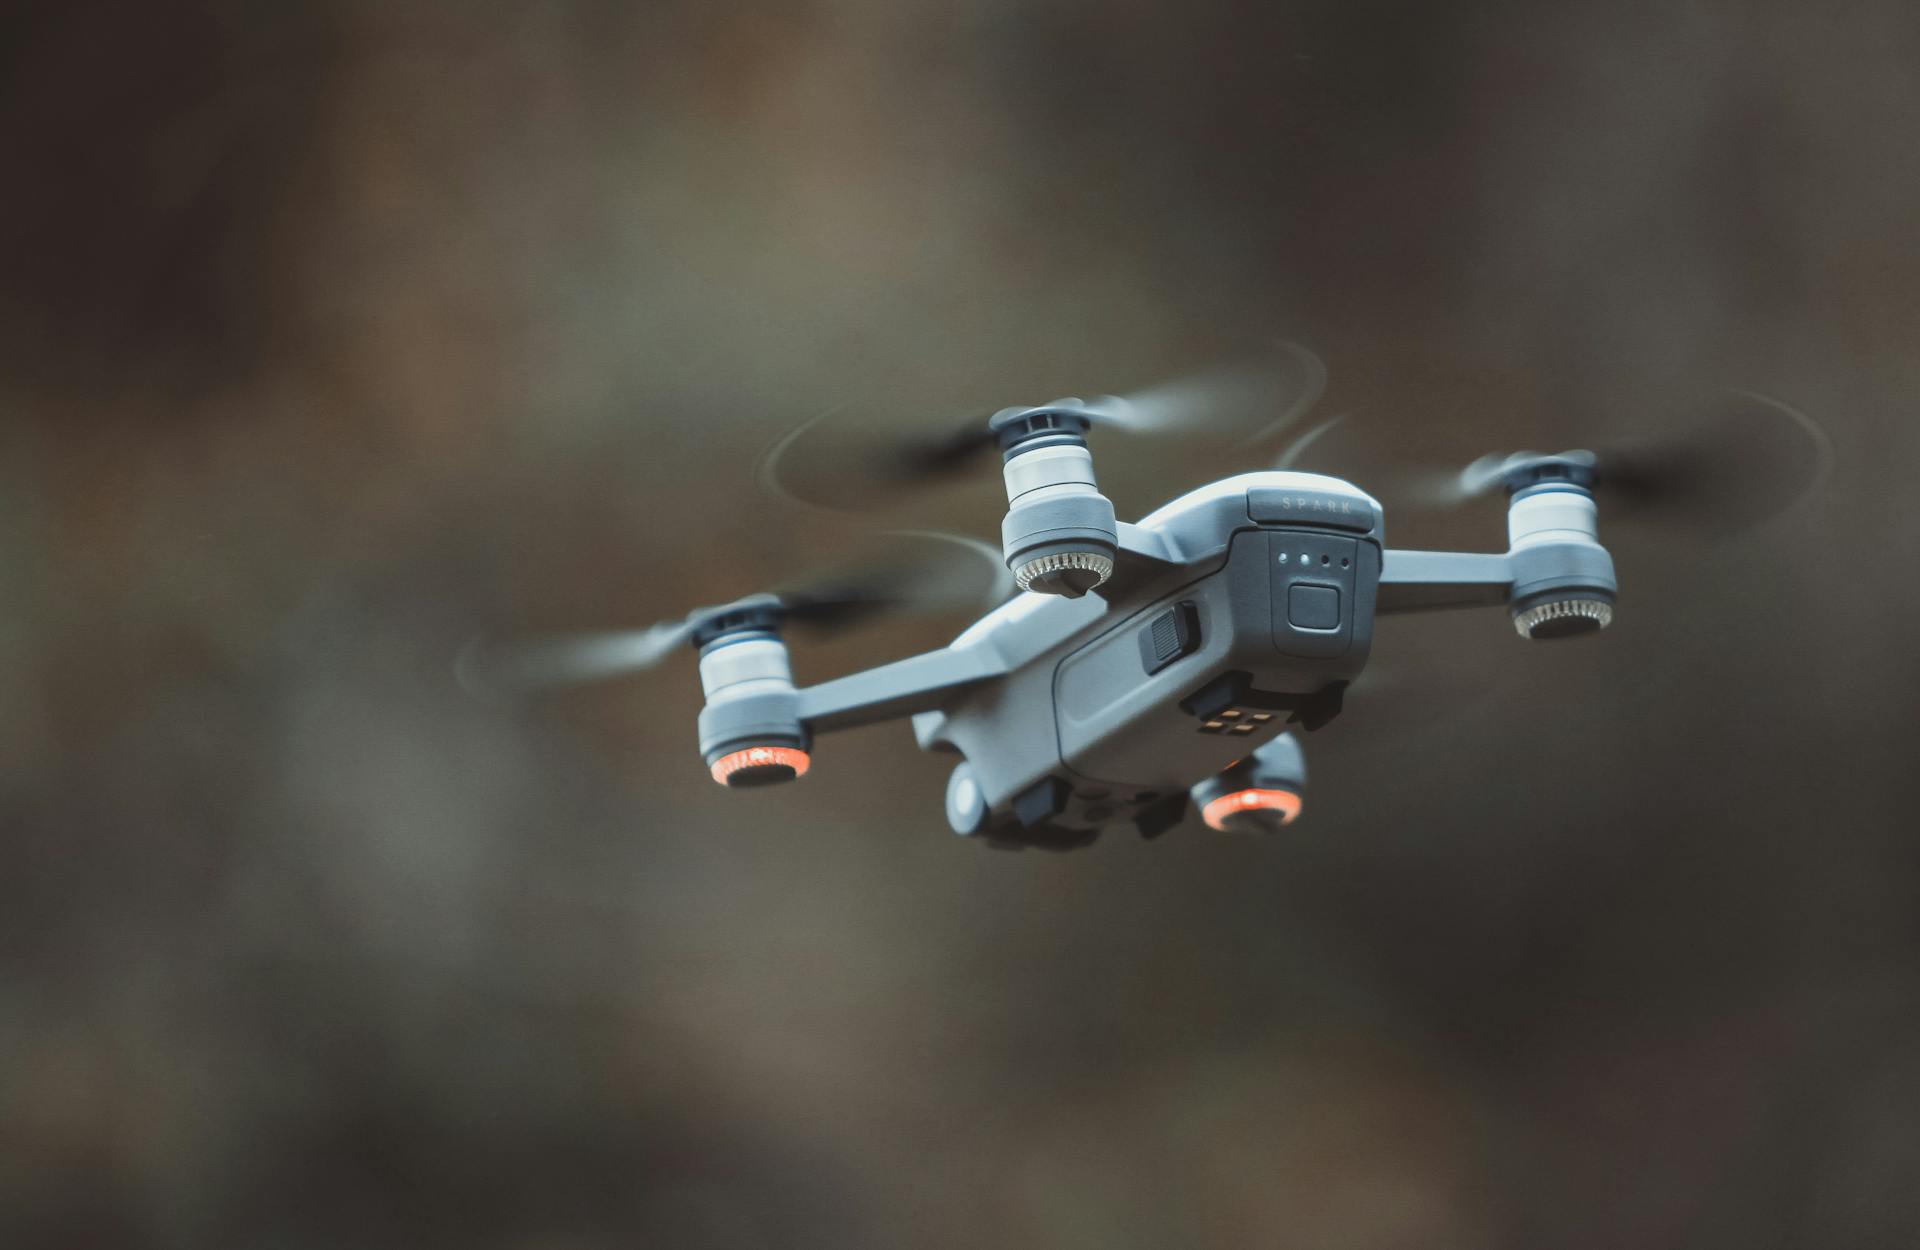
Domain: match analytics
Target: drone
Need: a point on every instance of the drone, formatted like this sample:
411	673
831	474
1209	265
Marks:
1142	669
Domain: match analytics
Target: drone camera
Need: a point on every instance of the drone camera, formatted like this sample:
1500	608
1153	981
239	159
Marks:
1059	535
1563	578
750	730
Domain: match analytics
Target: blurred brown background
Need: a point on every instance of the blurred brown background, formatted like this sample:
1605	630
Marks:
333	333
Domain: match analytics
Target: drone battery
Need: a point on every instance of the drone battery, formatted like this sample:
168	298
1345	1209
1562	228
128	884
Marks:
1170	635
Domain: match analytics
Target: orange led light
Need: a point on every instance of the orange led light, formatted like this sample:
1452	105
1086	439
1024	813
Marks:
1286	802
760	757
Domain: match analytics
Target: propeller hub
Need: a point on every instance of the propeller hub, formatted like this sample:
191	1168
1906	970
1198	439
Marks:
1525	471
1015	428
759	614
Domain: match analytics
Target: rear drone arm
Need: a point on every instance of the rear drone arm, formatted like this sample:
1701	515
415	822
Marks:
922	683
755	718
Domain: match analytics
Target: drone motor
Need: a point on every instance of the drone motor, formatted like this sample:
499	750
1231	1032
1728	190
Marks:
1563	583
1059	535
750	730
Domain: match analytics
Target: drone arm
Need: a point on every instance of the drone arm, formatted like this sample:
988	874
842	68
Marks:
916	684
1141	554
1418	581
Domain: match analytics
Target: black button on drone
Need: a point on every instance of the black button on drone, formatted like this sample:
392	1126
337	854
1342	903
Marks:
1313	607
1172	634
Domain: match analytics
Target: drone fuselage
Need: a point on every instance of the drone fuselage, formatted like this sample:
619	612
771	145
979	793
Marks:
1146	667
1237	611
1258	609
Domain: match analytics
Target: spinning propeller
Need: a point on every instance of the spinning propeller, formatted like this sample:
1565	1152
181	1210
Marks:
830	461
1723	468
949	572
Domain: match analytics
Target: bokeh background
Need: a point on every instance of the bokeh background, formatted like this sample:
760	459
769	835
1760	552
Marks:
332	334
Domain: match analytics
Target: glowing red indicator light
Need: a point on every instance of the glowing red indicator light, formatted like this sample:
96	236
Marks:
1283	803
759	766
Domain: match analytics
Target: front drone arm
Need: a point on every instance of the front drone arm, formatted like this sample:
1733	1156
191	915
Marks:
917	684
757	726
1419	581
1141	554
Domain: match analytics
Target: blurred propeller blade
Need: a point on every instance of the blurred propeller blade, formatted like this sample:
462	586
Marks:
495	673
962	574
1295	451
1253	400
818	465
968	574
1749	457
1735	463
825	463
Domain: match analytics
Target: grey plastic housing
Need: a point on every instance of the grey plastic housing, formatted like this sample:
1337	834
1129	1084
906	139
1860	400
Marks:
1067	523
751	699
1059	535
1081	731
1074	714
761	720
1563	582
